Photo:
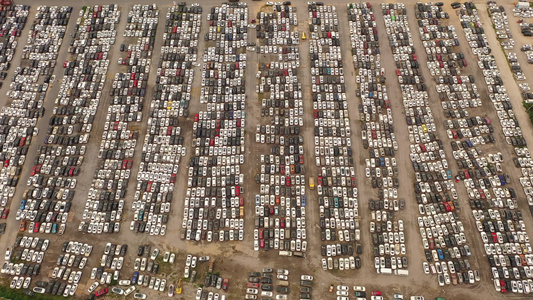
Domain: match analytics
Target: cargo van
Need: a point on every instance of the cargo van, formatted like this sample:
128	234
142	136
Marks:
312	183
299	254
285	253
401	272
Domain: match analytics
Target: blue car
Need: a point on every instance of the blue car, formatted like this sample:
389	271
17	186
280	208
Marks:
135	277
22	204
440	253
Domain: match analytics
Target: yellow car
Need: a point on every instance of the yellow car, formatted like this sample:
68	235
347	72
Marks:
424	128
178	289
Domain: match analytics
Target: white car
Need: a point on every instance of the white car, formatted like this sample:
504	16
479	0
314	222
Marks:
93	287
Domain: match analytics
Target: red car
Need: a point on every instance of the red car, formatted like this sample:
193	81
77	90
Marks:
287	181
36	227
253	285
494	237
454	133
5	213
101	292
173	178
376	293
282	223
503	286
65	64
196	117
225	284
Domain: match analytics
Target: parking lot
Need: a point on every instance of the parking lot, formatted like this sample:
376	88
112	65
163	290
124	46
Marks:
267	135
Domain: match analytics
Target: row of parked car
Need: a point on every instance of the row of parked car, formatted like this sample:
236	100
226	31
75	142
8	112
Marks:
498	217
12	21
59	160
500	22
18	127
336	184
280	206
19	118
76	255
28	254
261	285
435	191
446	251
105	201
214	202
163	143
378	136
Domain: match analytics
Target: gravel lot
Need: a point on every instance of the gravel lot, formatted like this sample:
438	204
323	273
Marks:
234	259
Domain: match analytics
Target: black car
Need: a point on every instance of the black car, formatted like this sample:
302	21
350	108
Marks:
123	250
253	279
267	287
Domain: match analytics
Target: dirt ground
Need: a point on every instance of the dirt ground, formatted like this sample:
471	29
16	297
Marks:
235	259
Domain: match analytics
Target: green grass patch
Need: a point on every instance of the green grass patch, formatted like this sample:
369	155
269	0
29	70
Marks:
8	293
529	110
